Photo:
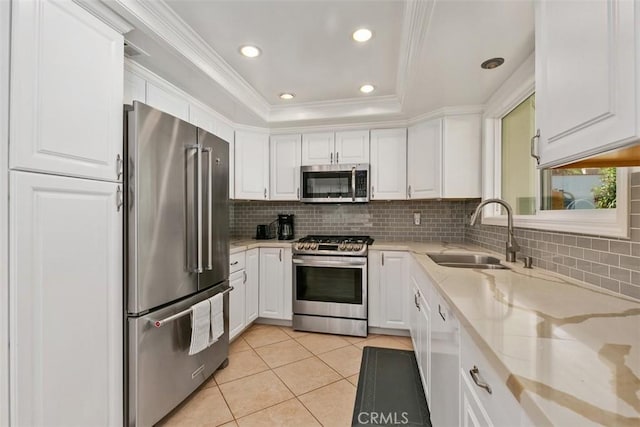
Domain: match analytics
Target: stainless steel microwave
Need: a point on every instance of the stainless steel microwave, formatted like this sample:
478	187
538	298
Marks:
341	183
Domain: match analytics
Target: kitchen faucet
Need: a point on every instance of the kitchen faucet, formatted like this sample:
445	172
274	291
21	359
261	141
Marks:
512	246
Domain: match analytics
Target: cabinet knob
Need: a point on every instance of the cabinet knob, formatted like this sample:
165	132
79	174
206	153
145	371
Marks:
280	255
265	193
331	158
337	157
409	192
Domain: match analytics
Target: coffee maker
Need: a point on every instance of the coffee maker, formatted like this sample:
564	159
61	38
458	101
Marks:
285	226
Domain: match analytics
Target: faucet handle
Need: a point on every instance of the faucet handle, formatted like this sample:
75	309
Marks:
528	261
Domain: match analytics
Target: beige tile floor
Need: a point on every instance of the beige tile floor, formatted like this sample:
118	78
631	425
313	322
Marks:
280	377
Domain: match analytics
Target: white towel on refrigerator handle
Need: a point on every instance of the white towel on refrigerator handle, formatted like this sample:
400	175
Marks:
200	326
217	317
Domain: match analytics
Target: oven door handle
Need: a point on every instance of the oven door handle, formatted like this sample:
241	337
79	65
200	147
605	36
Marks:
330	263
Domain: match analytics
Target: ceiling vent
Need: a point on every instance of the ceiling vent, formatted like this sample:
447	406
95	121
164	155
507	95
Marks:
131	50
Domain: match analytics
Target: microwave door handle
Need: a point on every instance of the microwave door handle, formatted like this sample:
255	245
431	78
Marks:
209	150
353	183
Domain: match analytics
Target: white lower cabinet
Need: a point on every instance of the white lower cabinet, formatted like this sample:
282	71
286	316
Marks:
388	289
480	406
275	283
66	308
243	299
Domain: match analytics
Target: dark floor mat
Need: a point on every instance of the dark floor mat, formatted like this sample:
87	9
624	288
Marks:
389	390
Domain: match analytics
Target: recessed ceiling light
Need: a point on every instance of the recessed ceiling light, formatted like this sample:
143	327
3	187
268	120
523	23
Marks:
492	63
367	88
362	35
250	51
287	95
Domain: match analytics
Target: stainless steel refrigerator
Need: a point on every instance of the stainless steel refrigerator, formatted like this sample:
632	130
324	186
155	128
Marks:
177	254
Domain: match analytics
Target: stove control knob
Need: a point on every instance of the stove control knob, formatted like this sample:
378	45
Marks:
349	246
307	245
357	247
296	246
341	246
314	246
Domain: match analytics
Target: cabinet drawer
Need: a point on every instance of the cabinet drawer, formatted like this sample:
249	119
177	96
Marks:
500	405
236	262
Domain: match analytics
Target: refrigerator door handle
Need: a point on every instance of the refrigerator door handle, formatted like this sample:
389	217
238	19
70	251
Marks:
198	148
209	152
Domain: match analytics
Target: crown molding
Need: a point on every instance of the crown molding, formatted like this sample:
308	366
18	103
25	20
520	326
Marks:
352	107
416	23
447	111
101	11
158	17
387	124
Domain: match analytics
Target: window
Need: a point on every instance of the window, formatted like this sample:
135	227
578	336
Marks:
586	200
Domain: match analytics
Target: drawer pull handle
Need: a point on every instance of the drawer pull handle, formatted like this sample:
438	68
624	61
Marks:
441	313
234	262
415	301
475	375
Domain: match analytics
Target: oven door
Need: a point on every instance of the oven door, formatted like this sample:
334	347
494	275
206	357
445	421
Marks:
330	286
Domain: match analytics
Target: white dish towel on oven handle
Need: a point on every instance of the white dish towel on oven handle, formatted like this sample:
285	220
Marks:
200	326
217	317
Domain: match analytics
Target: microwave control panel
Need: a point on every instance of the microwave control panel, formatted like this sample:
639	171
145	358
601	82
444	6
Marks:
361	184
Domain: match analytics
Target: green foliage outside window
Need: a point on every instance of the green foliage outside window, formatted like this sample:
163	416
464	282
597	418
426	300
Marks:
605	195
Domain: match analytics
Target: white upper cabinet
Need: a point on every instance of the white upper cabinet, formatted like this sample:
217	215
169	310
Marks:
66	91
251	165
202	118
226	132
327	148
352	147
461	156
317	148
424	145
285	167
168	101
66	308
388	164
444	158
135	88
587	81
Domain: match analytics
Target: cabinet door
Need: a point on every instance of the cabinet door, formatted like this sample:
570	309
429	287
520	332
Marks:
165	100
202	119
461	152
226	132
317	148
394	288
66	91
66	308
352	147
251	285
237	303
473	414
287	283
424	160
135	88
424	346
389	164
252	165
586	103
285	167
271	283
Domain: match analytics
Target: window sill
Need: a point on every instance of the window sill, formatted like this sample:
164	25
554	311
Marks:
607	223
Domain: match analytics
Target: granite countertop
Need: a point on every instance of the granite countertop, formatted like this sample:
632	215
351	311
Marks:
568	352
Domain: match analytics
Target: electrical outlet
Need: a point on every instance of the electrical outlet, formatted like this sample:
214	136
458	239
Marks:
416	218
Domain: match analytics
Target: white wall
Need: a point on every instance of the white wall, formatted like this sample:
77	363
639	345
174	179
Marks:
5	27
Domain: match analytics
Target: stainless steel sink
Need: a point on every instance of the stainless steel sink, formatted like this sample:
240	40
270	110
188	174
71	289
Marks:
468	261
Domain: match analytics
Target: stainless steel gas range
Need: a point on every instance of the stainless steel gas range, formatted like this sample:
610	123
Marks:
330	284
